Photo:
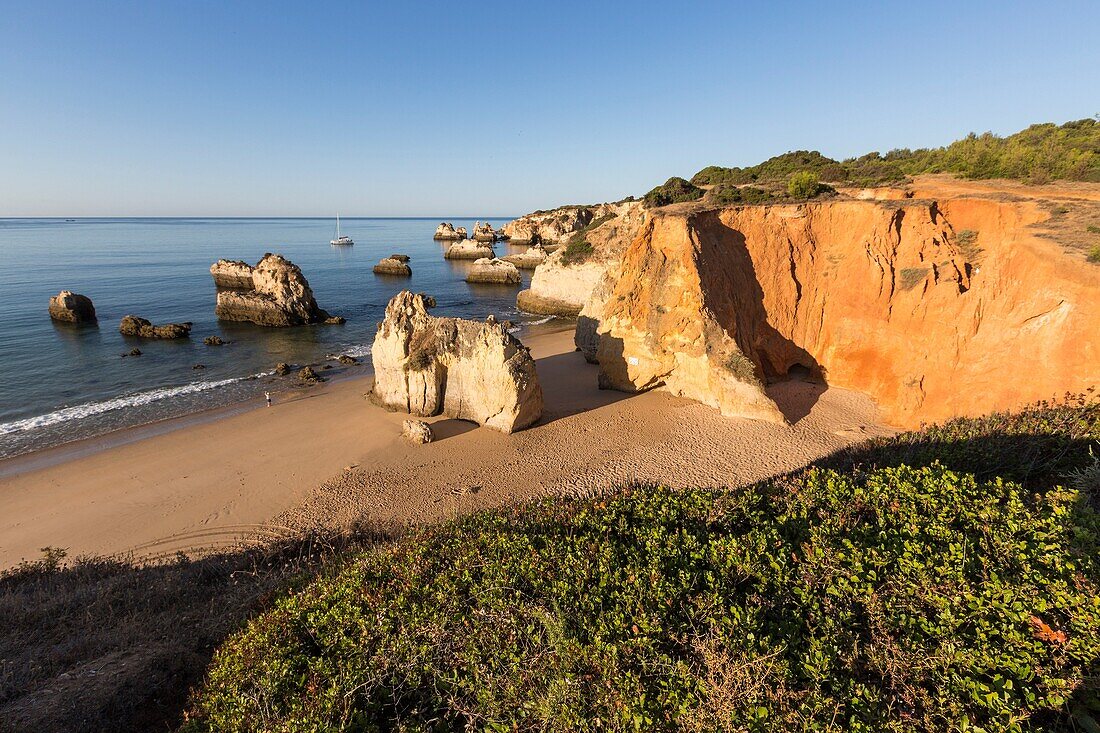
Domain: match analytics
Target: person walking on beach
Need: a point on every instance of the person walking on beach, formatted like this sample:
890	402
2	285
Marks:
267	396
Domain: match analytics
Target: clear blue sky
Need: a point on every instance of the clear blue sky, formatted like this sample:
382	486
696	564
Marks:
410	108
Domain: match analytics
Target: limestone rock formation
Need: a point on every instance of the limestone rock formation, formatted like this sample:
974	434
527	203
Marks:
469	250
282	369
307	375
416	431
213	341
560	286
70	307
233	274
400	258
393	266
281	296
463	369
141	328
534	256
484	232
557	225
493	271
446	231
462	233
877	296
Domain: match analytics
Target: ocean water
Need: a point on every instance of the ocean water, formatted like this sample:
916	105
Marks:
60	383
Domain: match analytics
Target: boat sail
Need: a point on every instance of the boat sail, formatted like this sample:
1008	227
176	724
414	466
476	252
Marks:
340	240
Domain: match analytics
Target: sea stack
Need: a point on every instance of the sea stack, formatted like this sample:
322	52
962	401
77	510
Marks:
70	307
233	274
446	231
467	370
394	265
468	250
493	271
281	296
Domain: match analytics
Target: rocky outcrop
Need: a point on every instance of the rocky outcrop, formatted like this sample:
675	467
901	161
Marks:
400	258
878	296
446	231
233	274
70	307
484	232
469	250
393	266
493	271
534	256
307	375
462	233
281	296
141	328
213	341
463	369
416	431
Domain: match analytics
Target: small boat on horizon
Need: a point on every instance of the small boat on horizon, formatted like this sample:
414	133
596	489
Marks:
341	240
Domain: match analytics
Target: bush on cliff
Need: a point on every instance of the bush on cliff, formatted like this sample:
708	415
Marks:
867	597
674	191
1038	154
576	251
804	185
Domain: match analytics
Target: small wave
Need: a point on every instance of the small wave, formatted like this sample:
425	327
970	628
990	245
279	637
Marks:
77	412
356	350
540	321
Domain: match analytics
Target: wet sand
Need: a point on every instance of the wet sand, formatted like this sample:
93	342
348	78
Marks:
327	457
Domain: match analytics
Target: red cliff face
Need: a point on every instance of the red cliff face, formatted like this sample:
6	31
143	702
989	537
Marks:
935	309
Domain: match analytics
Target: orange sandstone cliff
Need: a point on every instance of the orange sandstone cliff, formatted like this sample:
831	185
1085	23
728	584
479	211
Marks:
934	307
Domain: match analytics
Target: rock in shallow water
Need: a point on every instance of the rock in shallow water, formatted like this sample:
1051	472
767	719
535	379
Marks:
494	271
393	266
70	307
463	369
281	296
232	274
142	328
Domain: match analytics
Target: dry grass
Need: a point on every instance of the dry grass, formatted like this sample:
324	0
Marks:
103	644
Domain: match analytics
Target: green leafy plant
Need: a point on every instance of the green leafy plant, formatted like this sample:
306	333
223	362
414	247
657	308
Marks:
862	597
804	185
1094	254
673	191
576	251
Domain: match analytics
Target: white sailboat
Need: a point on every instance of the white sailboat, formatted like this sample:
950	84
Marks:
339	240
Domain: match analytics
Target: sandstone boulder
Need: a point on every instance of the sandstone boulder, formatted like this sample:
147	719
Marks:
530	259
281	296
142	328
213	341
462	233
463	369
347	359
400	258
493	271
233	274
307	375
282	369
446	231
392	266
416	431
469	250
70	307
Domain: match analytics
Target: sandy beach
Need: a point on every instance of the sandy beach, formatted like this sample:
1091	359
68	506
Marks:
326	457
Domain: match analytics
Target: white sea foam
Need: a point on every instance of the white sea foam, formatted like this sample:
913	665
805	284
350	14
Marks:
88	409
356	350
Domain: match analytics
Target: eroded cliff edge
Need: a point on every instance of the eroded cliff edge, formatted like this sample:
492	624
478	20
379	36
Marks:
892	298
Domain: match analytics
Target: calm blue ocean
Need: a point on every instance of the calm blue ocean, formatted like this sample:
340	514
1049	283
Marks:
61	383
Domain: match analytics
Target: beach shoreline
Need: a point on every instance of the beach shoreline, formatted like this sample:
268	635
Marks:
325	457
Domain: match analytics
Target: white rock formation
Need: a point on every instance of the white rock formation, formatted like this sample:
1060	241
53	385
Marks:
493	271
463	369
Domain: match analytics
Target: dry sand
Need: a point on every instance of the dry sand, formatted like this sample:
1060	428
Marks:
329	457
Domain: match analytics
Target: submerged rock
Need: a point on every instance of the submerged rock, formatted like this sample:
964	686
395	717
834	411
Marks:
493	271
232	274
142	328
213	341
347	359
70	307
281	296
393	266
463	369
468	250
416	431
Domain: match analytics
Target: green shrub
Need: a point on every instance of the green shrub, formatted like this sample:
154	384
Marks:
868	599
725	194
1093	229
804	185
674	191
1094	254
576	251
911	277
967	242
